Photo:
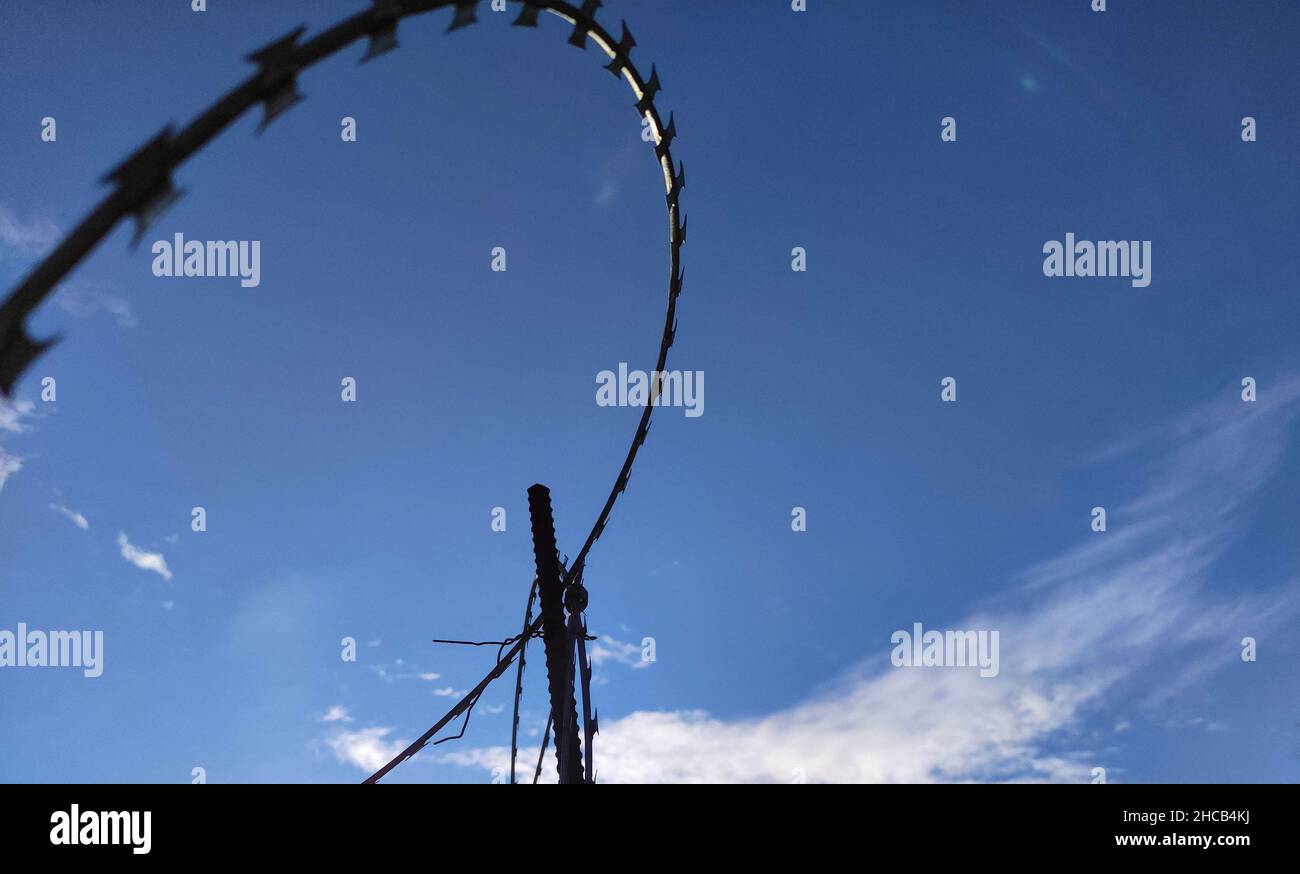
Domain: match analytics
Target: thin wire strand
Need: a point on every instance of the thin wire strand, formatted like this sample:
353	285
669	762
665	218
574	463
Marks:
541	754
519	681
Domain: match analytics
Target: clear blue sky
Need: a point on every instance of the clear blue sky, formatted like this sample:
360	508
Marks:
821	129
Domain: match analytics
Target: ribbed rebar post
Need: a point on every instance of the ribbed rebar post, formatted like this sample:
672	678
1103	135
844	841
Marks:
555	636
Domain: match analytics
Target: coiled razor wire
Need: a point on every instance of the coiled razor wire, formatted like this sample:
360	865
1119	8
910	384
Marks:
143	189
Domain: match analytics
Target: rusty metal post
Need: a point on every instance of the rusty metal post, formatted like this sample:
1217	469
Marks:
555	636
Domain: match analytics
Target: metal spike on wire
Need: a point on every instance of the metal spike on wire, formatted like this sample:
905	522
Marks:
143	189
278	63
466	14
383	38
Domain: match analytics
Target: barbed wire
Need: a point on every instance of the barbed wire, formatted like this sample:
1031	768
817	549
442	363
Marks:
541	753
458	708
143	188
519	680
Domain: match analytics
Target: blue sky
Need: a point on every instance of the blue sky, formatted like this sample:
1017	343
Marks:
818	129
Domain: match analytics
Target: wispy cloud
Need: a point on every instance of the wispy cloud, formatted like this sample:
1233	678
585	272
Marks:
84	299
606	649
449	692
607	193
382	671
14	415
25	239
145	561
10	464
366	748
1077	631
76	518
337	713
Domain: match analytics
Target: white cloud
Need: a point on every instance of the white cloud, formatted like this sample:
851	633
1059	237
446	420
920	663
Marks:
145	561
608	192
1108	616
10	464
26	239
12	414
337	713
366	748
449	692
383	672
83	300
606	648
73	516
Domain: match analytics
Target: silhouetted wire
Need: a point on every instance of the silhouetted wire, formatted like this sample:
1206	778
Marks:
529	632
519	680
590	721
420	742
497	643
464	725
541	754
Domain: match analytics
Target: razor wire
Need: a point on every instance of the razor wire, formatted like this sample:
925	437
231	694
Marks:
143	189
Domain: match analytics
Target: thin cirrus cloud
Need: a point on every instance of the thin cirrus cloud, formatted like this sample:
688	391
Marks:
606	649
383	672
13	415
10	464
85	299
13	420
25	238
73	516
145	561
1106	617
